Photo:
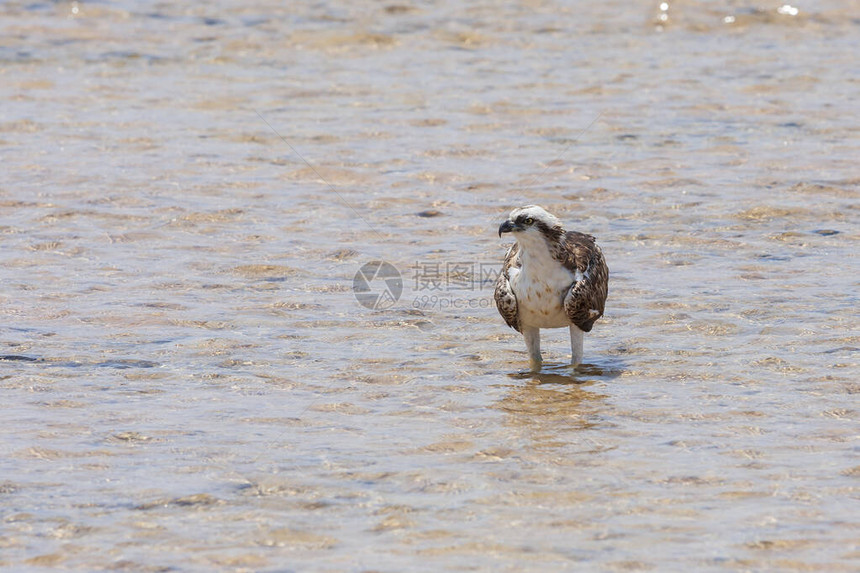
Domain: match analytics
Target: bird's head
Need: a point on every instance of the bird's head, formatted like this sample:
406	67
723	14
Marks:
532	223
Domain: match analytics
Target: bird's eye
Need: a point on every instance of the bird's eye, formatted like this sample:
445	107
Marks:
529	221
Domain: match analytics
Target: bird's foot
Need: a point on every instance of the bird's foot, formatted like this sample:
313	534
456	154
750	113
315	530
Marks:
535	364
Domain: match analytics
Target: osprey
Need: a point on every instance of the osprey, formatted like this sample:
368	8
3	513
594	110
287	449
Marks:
551	278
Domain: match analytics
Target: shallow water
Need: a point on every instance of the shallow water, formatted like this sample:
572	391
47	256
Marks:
189	383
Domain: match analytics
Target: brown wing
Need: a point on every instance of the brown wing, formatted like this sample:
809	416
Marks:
506	300
585	301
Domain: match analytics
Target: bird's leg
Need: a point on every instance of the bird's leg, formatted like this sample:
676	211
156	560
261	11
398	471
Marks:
576	338
532	336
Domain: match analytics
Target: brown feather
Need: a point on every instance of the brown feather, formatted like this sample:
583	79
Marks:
506	300
585	301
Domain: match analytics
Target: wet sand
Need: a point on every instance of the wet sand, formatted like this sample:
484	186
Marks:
189	383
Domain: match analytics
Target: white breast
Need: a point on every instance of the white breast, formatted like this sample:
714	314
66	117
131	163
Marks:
540	286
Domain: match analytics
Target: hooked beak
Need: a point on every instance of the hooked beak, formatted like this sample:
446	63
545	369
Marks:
507	227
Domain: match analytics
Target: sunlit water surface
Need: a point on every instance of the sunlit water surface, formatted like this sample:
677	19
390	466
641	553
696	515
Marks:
188	382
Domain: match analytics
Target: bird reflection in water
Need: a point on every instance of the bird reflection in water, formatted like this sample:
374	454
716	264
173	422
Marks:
563	373
556	399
